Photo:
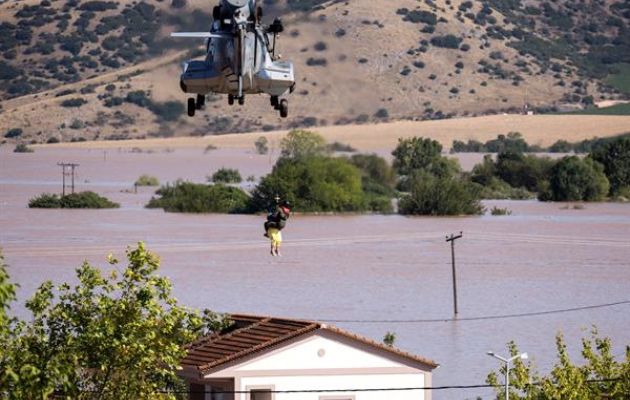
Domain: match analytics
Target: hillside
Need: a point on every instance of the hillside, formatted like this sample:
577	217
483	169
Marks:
82	70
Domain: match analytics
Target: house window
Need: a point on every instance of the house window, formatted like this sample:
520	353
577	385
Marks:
337	398
260	394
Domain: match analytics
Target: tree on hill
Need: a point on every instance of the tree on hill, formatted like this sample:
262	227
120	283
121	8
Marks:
114	336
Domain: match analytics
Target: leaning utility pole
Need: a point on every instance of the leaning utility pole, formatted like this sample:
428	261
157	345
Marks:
65	173
452	239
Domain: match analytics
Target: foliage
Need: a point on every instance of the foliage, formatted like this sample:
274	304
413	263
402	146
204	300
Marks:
513	142
576	179
500	211
618	109
147	180
523	171
614	155
314	183
13	133
262	145
440	195
620	78
76	102
210	147
389	339
497	189
600	376
341	147
301	144
377	180
85	199
199	198
447	41
226	175
418	153
7	295
22	148
120	335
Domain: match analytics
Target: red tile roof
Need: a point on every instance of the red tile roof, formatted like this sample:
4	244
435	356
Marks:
252	334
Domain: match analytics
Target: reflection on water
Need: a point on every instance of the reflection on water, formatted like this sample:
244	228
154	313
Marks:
541	257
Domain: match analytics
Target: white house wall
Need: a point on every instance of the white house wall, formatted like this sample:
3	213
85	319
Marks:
323	360
338	382
317	352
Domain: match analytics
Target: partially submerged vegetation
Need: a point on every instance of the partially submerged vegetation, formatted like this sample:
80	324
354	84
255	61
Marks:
147	180
424	180
199	198
85	199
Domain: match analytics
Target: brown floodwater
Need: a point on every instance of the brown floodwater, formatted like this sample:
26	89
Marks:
545	256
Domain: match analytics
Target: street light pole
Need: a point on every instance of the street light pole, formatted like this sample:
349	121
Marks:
507	361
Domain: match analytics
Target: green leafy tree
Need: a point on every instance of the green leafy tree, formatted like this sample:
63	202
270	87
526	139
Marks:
600	376
377	180
312	184
513	142
262	145
576	179
300	144
615	157
415	154
226	175
114	336
434	195
521	171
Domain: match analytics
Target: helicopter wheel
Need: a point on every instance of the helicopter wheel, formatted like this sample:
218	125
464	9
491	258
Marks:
241	100
284	108
274	102
201	101
231	99
191	107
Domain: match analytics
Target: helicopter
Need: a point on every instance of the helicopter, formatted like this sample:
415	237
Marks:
240	59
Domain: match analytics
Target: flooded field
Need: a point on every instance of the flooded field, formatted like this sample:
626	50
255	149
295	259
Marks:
338	268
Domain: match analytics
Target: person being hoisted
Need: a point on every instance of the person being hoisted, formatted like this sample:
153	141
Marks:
276	221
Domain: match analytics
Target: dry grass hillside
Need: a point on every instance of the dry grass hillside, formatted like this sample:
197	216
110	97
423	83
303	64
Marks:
83	70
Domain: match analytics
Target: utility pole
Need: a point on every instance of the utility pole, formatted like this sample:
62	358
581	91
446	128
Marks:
452	239
64	173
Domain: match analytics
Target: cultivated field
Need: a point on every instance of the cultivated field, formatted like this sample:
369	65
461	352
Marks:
536	129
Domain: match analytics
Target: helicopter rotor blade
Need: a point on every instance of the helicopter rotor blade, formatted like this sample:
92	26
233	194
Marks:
205	35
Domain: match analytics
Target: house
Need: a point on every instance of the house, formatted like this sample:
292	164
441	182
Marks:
266	358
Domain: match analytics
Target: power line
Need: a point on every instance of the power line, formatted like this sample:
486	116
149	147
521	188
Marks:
387	389
478	318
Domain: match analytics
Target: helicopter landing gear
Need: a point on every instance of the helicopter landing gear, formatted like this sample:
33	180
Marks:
284	108
275	103
201	101
231	99
241	100
191	107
